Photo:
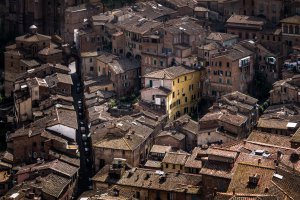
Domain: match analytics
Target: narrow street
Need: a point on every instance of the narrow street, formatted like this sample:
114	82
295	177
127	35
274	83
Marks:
85	172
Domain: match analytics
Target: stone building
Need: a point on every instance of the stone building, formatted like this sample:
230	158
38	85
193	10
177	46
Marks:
45	180
183	7
174	43
230	70
27	53
76	15
290	33
150	184
122	138
174	162
49	16
53	131
285	91
131	31
231	118
246	27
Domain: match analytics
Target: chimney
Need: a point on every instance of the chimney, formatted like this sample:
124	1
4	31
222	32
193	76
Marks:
266	190
253	180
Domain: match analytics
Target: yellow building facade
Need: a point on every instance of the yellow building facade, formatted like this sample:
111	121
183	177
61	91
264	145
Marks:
177	90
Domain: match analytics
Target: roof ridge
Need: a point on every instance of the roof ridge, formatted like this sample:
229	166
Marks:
254	165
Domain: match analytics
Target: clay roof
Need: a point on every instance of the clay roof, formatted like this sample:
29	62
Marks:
296	136
234	119
240	179
128	134
235	52
175	158
33	37
217	169
240	97
152	10
291	20
30	62
157	90
153	164
193	161
106	57
272	123
183	3
243	19
174	134
119	66
186	25
275	139
289	184
226	153
138	24
150	179
170	73
238	196
56	166
56	78
218	36
52	185
63	118
160	149
186	123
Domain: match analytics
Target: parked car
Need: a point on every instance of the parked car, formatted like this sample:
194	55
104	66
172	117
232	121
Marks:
84	138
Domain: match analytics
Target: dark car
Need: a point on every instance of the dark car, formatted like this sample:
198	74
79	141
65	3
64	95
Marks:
80	115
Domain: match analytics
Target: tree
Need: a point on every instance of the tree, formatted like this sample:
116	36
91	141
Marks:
260	86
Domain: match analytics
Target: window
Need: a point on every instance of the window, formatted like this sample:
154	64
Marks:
161	63
137	195
167	165
91	60
170	196
185	99
228	81
220	80
150	83
273	8
227	64
177	80
220	63
173	166
297	30
173	94
186	110
285	28
185	78
291	29
91	69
